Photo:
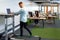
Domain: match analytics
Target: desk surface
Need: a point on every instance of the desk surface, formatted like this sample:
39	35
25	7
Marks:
7	14
37	18
52	16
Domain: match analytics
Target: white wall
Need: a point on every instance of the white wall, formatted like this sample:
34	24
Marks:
12	4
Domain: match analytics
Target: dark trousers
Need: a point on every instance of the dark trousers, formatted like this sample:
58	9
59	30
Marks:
23	24
1	35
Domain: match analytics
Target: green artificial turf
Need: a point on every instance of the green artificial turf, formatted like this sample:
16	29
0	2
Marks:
29	21
52	33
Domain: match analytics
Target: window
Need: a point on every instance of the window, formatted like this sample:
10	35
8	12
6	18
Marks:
55	9
43	9
49	8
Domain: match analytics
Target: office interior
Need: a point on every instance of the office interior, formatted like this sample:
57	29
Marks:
43	7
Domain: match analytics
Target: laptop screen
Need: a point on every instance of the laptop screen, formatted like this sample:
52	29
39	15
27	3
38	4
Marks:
8	11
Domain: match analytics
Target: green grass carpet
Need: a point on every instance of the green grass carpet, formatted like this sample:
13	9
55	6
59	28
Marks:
52	33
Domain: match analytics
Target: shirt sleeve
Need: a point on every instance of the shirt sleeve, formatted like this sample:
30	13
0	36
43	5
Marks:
17	12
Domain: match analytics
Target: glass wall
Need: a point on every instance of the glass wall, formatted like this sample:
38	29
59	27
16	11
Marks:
49	8
32	8
43	10
55	9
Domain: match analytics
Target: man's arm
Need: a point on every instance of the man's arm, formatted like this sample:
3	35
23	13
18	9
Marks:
15	13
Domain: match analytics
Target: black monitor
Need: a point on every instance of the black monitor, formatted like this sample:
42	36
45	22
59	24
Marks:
37	13
30	13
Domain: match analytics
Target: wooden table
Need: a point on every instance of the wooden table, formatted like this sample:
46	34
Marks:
7	16
39	18
52	17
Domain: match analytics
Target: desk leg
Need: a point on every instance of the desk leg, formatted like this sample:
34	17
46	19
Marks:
6	32
14	28
13	25
54	20
43	22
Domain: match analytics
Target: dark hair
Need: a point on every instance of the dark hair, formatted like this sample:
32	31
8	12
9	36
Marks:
20	3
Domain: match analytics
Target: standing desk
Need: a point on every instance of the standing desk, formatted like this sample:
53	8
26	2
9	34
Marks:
53	18
39	18
7	16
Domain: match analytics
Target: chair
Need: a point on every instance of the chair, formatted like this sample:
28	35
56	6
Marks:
37	15
30	14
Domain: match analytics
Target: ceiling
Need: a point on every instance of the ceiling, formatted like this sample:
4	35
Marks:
40	0
44	2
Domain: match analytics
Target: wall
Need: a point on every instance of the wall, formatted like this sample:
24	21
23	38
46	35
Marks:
12	4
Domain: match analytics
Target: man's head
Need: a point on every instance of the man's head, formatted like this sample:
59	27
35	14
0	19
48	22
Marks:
21	5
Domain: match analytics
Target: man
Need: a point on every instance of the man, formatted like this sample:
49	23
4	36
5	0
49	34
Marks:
23	19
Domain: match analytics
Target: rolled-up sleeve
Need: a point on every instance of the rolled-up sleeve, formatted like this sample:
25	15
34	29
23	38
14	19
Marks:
17	12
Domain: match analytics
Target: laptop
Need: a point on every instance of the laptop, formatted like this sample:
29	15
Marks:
8	11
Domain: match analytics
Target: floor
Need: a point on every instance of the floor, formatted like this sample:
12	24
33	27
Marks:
46	25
